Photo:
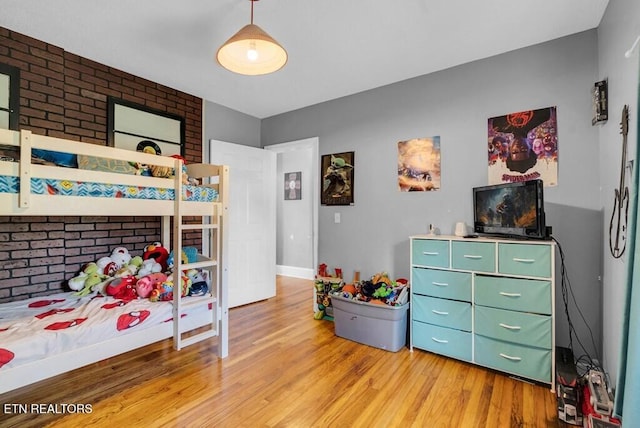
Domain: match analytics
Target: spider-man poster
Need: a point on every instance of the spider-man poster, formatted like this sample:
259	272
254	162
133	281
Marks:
524	146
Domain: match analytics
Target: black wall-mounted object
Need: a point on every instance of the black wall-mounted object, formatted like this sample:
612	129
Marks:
600	102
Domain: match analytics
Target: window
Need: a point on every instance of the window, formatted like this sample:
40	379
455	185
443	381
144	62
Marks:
9	96
135	127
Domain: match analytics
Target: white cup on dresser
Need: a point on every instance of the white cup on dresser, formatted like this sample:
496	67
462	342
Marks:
460	229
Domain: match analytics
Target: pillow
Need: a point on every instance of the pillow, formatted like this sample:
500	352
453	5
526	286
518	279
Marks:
94	163
58	158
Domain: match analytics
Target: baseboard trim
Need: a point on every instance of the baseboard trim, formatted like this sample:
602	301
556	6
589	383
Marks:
295	272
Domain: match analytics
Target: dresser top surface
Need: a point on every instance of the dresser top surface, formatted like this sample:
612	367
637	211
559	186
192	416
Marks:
484	239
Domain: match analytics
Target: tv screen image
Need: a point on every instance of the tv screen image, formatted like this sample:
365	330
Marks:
514	209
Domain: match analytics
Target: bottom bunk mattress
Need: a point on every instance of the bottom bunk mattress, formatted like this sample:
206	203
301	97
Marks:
41	327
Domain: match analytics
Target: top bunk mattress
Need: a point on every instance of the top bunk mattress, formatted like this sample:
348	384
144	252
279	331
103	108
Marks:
57	167
45	186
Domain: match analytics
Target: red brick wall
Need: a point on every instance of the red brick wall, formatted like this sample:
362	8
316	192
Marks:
64	95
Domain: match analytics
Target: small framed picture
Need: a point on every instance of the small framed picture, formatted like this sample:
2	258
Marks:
292	186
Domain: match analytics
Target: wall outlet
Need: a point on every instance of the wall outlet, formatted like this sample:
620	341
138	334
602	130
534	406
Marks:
336	217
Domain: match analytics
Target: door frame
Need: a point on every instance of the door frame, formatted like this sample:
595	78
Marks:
313	143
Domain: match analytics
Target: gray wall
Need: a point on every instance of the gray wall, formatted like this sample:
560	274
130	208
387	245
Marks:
224	124
455	104
619	28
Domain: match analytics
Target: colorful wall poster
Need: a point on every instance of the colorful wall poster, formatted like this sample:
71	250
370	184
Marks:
523	146
419	164
337	178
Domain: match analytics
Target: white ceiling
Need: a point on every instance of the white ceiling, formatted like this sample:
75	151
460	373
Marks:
336	47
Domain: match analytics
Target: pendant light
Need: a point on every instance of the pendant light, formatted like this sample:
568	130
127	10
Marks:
251	51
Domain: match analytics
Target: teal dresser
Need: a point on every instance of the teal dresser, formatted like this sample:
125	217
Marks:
486	301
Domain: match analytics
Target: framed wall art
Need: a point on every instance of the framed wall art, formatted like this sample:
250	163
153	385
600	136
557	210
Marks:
524	146
292	186
135	127
337	179
419	164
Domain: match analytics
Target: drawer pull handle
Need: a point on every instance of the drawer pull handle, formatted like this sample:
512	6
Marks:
510	327
509	357
430	253
440	284
439	312
516	259
504	293
472	256
439	340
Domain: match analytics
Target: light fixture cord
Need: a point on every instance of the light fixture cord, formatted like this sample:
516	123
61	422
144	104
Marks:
252	1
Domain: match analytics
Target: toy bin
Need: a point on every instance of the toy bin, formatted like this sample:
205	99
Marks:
381	326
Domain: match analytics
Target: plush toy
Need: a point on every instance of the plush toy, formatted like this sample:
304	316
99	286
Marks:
192	254
145	285
109	265
183	259
188	255
199	286
165	171
122	288
157	252
120	256
383	291
149	266
87	280
161	171
165	291
77	282
126	270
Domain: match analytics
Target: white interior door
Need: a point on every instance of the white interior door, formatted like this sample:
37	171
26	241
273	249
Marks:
251	221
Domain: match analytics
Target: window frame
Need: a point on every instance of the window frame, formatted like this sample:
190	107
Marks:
14	94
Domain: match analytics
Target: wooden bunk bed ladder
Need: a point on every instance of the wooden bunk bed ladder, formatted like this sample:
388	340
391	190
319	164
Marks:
211	226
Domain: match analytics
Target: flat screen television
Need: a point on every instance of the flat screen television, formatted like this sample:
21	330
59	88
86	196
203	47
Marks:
510	209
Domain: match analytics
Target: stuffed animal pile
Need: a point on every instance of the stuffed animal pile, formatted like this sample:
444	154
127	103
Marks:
379	290
149	276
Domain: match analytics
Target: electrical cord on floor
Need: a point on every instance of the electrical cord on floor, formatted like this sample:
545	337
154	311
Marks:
584	360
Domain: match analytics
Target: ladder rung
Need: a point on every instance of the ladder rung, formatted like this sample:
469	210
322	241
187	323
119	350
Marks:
190	302
198	264
198	337
198	226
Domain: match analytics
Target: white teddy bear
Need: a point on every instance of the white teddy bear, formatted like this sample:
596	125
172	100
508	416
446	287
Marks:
109	265
149	266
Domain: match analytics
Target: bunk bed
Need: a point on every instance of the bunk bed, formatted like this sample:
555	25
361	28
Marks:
31	189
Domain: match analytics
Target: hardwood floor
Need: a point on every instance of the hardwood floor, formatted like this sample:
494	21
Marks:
284	369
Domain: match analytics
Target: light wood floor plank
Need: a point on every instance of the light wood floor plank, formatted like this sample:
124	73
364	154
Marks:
285	369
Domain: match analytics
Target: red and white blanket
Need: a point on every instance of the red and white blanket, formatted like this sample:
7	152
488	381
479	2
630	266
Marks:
39	327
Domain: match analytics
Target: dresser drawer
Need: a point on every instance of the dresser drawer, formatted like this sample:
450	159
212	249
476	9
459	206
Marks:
442	312
476	256
526	295
525	259
518	327
430	252
441	283
529	362
442	340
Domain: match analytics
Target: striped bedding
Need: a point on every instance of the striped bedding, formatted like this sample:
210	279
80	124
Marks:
41	186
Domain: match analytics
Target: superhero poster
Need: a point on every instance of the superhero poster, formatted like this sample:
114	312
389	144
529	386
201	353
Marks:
419	164
523	146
